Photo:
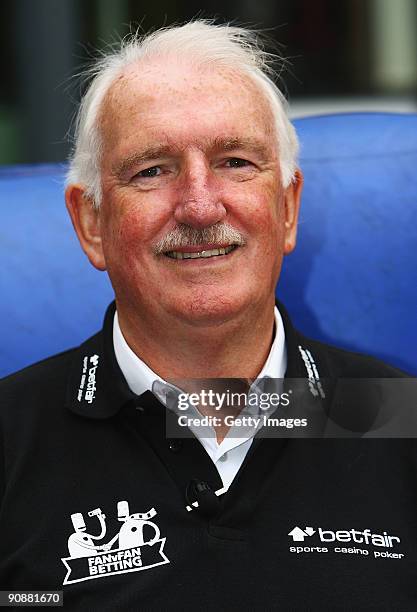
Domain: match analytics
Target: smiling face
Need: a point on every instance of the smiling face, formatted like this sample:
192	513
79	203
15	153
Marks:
194	221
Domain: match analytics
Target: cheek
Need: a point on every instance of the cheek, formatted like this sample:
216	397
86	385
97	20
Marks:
267	222
132	231
122	238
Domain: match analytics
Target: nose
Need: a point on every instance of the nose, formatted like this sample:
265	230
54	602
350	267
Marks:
199	204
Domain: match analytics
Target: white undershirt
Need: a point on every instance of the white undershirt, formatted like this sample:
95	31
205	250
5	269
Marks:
227	456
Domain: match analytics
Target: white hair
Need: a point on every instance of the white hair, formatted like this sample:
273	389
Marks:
201	42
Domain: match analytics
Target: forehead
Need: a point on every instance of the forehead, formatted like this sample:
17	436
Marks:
173	101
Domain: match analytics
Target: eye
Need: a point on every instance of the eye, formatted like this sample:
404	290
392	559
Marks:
150	172
237	162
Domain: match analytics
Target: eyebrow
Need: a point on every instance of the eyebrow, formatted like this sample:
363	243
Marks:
230	144
141	157
218	144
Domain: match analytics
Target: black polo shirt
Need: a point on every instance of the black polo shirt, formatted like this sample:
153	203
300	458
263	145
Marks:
94	499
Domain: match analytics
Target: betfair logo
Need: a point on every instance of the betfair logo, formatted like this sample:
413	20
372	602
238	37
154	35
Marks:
351	535
345	541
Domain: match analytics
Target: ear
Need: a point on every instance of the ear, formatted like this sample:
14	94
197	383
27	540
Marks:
86	221
292	197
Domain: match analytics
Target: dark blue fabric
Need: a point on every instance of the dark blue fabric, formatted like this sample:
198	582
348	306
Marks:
351	280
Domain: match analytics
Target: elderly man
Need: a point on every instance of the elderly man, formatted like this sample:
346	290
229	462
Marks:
184	186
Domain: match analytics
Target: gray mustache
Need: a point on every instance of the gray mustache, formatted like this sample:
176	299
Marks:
184	235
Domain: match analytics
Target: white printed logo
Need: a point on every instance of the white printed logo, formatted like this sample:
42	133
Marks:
345	541
138	546
88	379
314	383
298	535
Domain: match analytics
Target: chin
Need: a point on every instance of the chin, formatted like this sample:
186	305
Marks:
203	309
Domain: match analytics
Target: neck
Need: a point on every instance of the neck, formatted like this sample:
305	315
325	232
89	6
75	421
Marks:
237	348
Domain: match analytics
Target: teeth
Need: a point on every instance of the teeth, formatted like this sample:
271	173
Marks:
199	254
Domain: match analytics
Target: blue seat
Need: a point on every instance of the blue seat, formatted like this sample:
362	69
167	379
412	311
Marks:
350	282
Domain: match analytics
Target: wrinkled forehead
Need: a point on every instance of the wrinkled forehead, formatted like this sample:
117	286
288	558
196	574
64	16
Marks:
147	92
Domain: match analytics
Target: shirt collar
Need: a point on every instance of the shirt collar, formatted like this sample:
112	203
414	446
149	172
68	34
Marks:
108	389
96	387
140	377
137	373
